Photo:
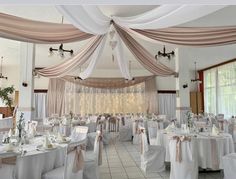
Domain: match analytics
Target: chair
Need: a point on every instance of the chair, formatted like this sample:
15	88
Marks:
73	167
125	132
152	157
93	159
229	165
79	133
8	167
182	158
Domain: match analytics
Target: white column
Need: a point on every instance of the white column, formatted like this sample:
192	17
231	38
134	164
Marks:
26	93
182	94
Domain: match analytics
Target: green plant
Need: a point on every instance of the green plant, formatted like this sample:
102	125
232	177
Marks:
4	95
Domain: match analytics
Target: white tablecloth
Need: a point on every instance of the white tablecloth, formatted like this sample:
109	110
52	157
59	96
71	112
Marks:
210	149
34	163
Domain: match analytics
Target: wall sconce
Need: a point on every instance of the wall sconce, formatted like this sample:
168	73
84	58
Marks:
24	84
185	85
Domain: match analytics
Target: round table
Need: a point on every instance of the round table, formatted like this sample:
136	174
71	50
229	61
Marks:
36	162
209	149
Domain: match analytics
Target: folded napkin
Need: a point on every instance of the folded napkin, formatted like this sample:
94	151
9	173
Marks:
60	138
10	133
215	131
9	147
47	143
168	128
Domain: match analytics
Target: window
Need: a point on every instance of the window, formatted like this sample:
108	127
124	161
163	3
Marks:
220	90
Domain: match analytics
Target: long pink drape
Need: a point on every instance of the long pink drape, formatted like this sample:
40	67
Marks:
56	97
16	28
190	36
142	55
108	82
67	66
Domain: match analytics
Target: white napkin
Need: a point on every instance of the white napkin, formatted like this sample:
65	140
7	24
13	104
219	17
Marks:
215	131
9	147
60	137
46	142
168	128
10	133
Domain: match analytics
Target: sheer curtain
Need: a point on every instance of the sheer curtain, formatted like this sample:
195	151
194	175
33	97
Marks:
151	96
81	99
40	101
167	104
220	89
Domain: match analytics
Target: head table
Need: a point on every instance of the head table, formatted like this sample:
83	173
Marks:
35	160
207	148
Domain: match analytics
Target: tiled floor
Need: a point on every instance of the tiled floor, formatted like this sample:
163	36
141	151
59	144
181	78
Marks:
121	160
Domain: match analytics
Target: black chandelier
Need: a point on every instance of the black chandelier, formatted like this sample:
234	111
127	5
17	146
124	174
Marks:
1	76
164	54
60	51
196	79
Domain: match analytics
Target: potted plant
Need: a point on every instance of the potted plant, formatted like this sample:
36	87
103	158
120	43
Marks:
5	96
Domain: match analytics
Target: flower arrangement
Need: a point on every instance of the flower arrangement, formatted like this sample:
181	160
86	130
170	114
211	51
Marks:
189	116
20	125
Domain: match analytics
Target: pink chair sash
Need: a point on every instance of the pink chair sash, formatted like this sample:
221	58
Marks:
8	161
179	140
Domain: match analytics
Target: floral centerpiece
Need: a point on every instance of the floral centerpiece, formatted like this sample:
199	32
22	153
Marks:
20	125
189	116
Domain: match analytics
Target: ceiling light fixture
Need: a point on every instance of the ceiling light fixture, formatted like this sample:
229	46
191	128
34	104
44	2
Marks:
164	54
1	76
60	50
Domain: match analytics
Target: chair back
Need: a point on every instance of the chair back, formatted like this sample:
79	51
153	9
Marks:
79	133
113	124
144	141
8	166
98	147
182	158
74	162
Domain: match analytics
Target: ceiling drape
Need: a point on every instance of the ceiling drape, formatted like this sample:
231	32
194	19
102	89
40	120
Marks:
108	82
79	59
143	56
16	28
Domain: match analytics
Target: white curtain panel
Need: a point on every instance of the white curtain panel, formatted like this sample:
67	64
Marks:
167	104
94	60
122	61
86	18
40	100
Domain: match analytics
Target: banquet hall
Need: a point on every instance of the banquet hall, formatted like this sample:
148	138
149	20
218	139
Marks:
117	90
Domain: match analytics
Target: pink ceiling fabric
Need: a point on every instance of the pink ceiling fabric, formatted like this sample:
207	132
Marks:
69	65
189	36
143	56
17	28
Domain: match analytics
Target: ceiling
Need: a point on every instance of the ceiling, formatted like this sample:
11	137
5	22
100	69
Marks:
204	56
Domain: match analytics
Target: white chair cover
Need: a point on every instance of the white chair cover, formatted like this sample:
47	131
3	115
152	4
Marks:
152	157
93	159
69	170
229	165
79	133
8	169
152	134
184	166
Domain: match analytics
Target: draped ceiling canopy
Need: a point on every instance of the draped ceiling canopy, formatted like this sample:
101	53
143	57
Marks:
88	22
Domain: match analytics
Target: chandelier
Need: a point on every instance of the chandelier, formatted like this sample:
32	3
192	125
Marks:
1	75
60	50
164	54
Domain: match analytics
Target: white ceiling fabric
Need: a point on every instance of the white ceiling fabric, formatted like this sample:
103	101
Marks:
166	16
94	60
90	19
